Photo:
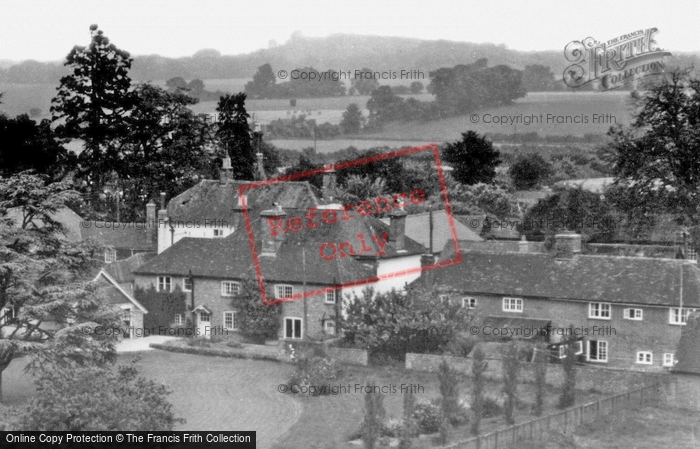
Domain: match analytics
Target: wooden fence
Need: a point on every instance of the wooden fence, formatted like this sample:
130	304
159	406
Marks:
564	421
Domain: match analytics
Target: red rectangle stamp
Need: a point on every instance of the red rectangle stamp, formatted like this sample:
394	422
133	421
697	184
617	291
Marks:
334	246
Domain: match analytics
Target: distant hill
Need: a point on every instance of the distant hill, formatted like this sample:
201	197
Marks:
338	51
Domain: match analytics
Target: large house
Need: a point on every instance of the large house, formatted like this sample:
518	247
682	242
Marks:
210	262
629	311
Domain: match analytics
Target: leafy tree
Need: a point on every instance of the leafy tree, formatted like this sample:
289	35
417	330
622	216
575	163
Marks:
540	377
167	148
176	83
529	170
365	83
568	392
361	188
304	165
374	414
258	321
352	119
479	365
162	307
28	145
417	87
511	368
384	106
196	88
75	397
539	78
572	209
657	154
234	134
396	323
263	83
390	169
487	197
474	159
43	277
93	104
448	380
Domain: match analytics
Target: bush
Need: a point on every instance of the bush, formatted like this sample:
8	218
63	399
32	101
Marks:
490	407
234	344
198	342
374	414
460	346
315	371
427	417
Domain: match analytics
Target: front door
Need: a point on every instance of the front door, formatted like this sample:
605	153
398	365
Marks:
203	324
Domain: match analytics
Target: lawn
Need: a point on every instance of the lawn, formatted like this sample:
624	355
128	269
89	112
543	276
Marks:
650	427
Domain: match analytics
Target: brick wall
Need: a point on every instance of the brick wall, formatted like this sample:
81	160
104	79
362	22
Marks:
625	337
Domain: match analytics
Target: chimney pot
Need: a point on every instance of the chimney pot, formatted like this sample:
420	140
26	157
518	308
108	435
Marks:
397	227
271	236
150	221
162	200
567	244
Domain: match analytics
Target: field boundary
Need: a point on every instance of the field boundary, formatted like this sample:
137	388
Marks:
564	421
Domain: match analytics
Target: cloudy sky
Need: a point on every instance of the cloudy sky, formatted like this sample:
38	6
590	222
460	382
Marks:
47	30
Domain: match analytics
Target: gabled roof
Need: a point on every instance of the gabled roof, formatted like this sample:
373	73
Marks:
214	200
231	257
122	271
114	293
418	229
132	236
634	280
688	351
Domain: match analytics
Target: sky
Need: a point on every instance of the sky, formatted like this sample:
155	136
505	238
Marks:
46	30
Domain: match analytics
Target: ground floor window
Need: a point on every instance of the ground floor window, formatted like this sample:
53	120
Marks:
179	319
645	358
231	321
292	327
669	359
597	351
329	327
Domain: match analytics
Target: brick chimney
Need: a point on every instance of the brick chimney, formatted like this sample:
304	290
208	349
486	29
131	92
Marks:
329	185
397	227
226	171
272	236
162	226
151	223
567	244
260	170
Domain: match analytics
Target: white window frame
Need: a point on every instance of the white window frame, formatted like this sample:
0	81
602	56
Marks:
283	294
513	305
691	254
236	290
644	358
184	284
179	319
469	302
682	317
301	327
218	232
579	349
330	294
234	320
633	314
208	315
163	281
110	255
598	315
669	359
598	359
326	326
444	299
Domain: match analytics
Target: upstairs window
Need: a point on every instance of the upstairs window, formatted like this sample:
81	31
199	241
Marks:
283	291
678	316
469	303
164	283
230	288
599	310
512	304
633	314
330	297
110	255
187	284
645	358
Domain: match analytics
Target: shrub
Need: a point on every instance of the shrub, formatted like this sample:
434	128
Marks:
540	377
568	392
449	391
315	371
479	365
460	346
199	342
427	417
511	367
409	429
374	414
490	407
234	344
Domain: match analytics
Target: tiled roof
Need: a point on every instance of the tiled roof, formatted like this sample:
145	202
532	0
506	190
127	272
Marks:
688	352
634	280
70	220
133	236
499	246
114	293
418	229
232	258
214	200
122	271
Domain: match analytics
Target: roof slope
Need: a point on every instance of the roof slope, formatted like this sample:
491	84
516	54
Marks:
611	279
418	229
122	271
117	235
232	257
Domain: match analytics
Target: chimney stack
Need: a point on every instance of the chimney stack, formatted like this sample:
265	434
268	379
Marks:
523	246
151	222
329	185
260	171
226	172
271	221
397	225
567	244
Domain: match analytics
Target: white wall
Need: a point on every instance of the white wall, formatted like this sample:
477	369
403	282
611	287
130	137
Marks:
195	229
